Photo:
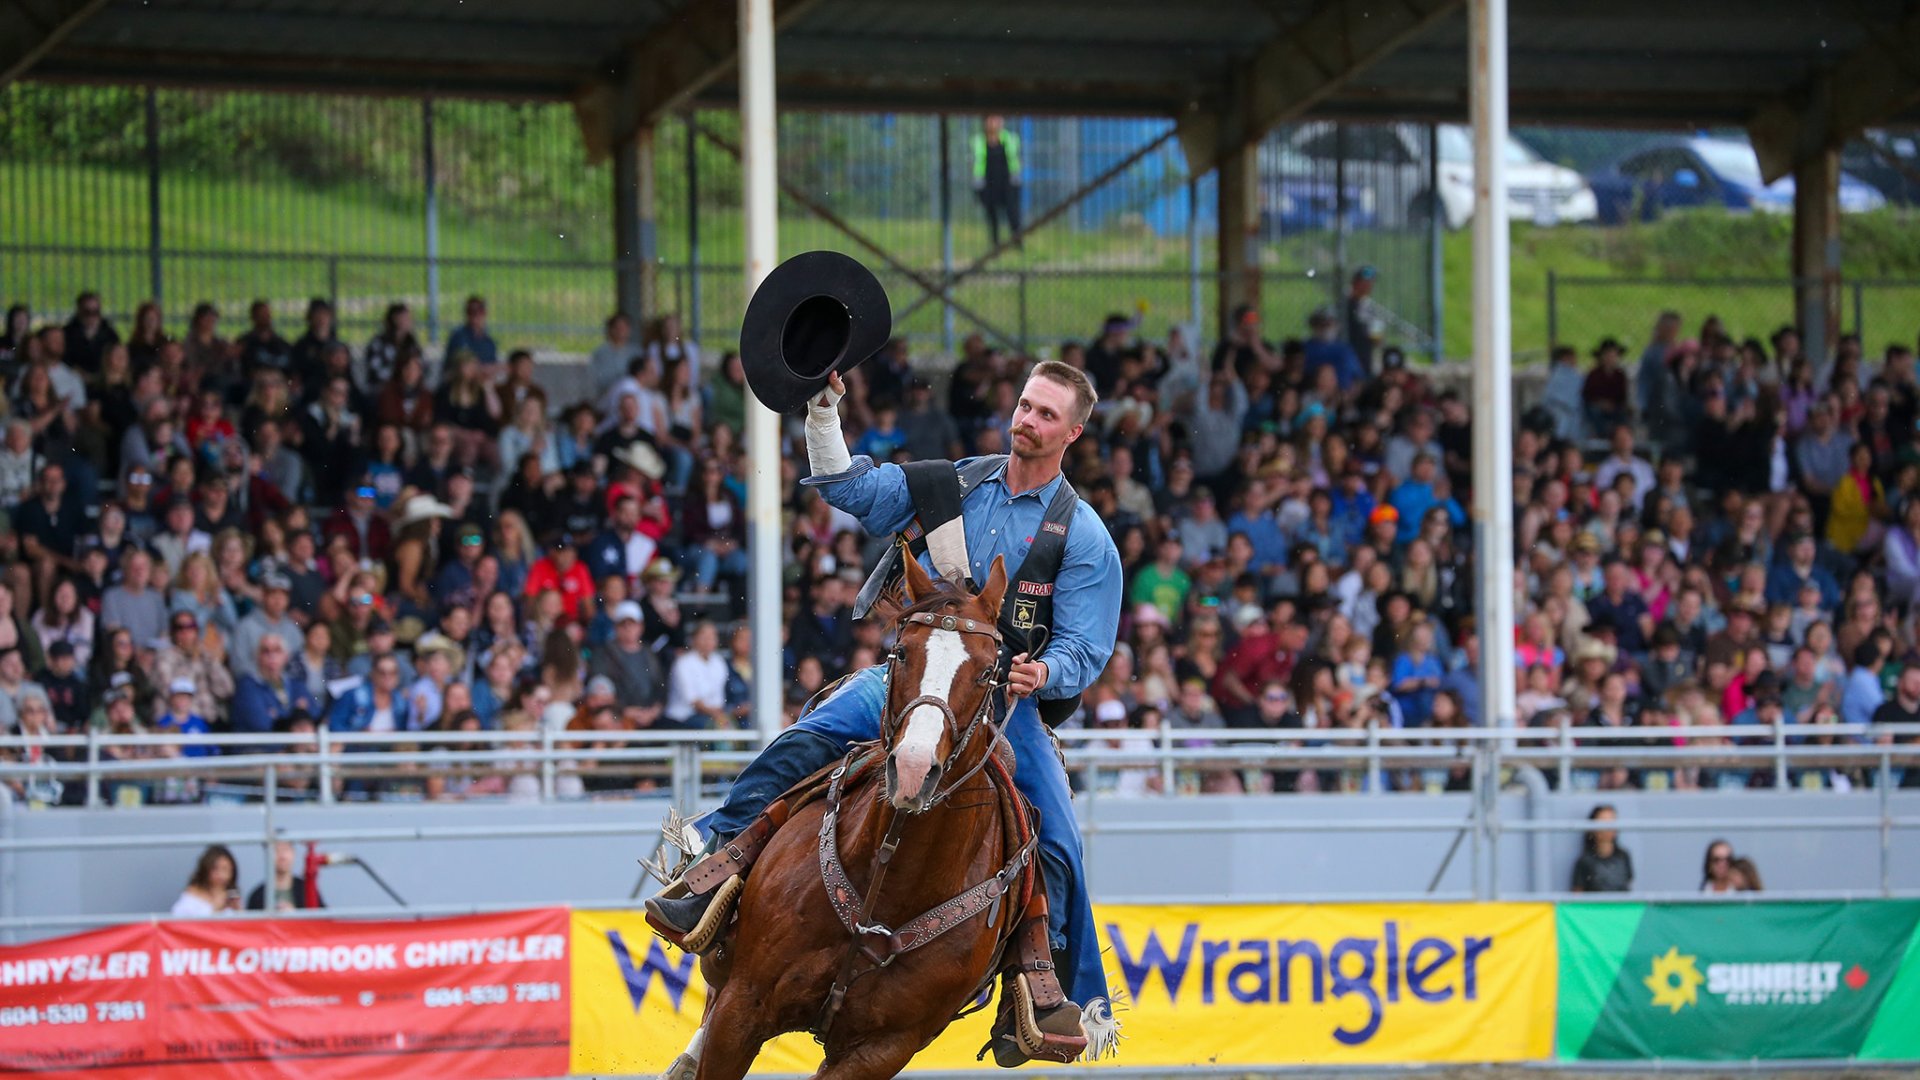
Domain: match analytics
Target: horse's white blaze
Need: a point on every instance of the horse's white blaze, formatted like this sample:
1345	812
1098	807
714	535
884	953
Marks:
919	743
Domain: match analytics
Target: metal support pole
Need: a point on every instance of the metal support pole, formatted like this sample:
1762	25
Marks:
1489	787
1436	259
1168	780
1779	757
1553	311
693	230
325	777
1816	251
153	195
1565	777
1859	313
1195	309
633	223
1492	357
946	237
1340	212
270	794
333	283
759	184
546	763
93	767
1886	823
1476	822
1374	779
432	184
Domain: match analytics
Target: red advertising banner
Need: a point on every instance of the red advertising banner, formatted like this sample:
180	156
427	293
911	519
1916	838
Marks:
476	996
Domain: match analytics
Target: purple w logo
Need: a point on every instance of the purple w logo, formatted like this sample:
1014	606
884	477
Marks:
673	977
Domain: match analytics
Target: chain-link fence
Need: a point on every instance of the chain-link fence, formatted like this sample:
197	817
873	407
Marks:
1581	311
187	196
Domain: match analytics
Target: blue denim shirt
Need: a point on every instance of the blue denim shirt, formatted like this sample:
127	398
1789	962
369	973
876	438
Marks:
1086	594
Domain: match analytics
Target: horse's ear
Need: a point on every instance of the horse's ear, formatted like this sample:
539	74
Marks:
919	584
995	590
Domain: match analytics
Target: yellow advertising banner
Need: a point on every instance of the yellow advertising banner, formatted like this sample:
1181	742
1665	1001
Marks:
1200	985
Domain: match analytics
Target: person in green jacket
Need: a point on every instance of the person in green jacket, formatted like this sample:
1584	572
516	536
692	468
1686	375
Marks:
996	177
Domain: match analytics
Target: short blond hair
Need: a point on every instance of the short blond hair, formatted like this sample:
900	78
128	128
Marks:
1084	395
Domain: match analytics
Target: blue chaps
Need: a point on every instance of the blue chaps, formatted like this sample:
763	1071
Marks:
851	715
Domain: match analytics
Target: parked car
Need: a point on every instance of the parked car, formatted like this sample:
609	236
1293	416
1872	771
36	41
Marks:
1890	161
1393	157
1296	197
1677	173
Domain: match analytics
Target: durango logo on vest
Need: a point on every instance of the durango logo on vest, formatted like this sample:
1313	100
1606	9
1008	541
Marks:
1036	588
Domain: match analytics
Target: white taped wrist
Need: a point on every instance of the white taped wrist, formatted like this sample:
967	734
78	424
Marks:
826	448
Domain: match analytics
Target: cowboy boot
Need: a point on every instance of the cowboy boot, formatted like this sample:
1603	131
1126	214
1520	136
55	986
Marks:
1036	1022
696	906
693	921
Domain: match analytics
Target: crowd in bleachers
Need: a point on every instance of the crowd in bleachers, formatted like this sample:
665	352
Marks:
209	530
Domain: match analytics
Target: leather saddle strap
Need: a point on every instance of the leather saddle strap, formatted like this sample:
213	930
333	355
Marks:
841	891
928	926
856	913
736	855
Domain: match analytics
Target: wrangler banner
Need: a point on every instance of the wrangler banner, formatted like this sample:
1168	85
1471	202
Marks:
1739	981
1201	985
478	996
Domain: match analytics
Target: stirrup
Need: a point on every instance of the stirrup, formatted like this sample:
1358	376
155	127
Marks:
706	930
1024	1033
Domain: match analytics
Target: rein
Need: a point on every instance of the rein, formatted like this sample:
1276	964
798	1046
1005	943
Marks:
879	944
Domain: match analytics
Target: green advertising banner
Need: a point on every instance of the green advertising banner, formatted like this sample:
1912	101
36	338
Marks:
1739	981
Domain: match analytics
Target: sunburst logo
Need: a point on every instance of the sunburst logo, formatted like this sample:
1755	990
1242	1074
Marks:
1675	980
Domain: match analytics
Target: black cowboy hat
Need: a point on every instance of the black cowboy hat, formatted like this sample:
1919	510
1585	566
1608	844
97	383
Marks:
815	314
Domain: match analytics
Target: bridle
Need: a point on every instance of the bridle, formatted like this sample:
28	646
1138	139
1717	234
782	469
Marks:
990	680
877	943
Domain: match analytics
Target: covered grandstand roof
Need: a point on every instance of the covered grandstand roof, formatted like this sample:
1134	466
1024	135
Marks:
1641	62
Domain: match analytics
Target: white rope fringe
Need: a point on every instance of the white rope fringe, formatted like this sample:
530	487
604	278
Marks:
1103	1031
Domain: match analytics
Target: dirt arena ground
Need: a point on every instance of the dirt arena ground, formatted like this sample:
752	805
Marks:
1679	1071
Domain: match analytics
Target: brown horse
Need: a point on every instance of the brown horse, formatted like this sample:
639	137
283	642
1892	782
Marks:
790	952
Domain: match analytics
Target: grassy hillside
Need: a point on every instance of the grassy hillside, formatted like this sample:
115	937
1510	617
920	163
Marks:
1059	287
1661	265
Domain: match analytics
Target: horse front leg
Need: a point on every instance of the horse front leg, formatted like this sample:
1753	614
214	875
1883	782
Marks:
687	1065
729	1039
877	1058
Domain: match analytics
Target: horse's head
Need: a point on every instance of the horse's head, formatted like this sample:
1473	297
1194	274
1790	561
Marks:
944	671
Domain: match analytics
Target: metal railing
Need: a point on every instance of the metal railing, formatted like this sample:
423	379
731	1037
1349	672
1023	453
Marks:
689	763
691	769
